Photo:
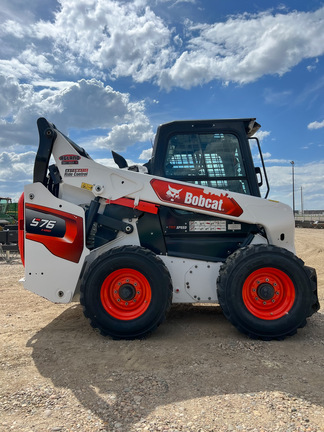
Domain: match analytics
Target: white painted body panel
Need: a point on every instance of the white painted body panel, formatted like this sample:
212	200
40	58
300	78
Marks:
193	280
113	183
46	274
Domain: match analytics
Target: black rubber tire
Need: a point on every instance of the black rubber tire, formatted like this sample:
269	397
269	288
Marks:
254	258
151	268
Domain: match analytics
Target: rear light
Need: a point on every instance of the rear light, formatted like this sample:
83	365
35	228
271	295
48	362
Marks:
21	228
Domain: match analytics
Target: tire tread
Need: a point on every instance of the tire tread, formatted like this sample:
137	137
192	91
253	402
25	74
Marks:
146	254
238	257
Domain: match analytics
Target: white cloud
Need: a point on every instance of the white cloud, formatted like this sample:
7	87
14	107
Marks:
246	47
86	104
108	162
15	171
124	135
179	2
280	98
36	61
111	163
266	155
117	39
16	11
100	37
312	66
308	176
12	27
316	125
276	161
20	69
12	164
261	135
146	154
124	39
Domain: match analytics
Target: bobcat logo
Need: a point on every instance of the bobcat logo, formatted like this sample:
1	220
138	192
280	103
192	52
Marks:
173	194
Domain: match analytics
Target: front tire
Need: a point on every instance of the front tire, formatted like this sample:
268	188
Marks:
265	291
126	292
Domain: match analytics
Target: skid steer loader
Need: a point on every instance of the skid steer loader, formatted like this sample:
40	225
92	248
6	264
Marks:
188	226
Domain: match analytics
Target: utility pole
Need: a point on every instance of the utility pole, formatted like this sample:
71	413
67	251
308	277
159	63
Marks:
301	202
293	184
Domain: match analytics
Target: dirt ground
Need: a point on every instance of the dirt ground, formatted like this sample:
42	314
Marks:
195	373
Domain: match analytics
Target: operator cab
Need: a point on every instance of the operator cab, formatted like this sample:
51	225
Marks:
214	153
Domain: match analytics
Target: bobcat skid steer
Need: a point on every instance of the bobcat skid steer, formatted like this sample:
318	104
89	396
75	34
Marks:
189	226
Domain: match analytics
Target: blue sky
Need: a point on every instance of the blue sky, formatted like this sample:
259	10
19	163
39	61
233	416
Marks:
109	72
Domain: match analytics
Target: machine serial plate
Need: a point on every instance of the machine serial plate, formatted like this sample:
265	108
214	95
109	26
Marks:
205	225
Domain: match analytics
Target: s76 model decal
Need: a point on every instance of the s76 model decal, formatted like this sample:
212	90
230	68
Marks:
60	232
38	222
195	197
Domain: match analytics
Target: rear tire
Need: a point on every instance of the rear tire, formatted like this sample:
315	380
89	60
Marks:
265	291
126	292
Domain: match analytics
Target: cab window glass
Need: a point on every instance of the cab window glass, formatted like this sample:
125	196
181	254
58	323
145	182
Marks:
207	159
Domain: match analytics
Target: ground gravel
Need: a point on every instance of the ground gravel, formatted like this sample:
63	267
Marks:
195	374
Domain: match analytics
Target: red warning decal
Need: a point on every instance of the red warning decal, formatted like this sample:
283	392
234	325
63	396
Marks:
69	159
194	197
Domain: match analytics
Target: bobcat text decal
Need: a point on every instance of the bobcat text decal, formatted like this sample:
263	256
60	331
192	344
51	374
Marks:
195	197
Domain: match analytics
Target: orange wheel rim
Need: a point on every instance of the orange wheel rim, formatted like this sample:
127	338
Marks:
268	293
125	294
